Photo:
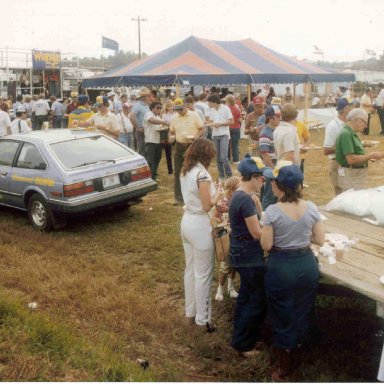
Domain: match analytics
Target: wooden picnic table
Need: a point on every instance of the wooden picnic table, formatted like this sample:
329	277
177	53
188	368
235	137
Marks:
361	267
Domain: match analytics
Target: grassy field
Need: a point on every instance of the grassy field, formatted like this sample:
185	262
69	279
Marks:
109	291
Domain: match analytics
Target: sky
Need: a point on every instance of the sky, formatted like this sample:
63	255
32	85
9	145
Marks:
342	29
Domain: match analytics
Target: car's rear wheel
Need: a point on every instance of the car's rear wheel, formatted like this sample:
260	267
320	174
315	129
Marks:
39	214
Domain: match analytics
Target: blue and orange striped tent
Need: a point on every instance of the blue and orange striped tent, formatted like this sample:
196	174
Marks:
208	62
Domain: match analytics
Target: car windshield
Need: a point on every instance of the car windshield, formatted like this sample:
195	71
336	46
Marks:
88	150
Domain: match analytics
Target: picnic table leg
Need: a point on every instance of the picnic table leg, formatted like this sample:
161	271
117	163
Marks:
380	313
380	375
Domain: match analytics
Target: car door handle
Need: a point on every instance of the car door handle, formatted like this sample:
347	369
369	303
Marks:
3	173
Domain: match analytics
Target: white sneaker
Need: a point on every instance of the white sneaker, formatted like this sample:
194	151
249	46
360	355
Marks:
233	293
219	295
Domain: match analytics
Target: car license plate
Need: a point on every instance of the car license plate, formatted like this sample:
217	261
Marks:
110	181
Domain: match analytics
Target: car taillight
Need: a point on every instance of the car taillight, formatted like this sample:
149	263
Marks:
78	188
141	173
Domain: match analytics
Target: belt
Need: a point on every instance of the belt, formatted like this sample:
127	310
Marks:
357	166
277	249
246	237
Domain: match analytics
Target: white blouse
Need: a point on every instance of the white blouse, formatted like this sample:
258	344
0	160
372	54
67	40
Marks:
190	189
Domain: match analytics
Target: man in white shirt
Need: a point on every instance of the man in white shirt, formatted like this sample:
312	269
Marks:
5	124
19	125
57	114
152	148
221	118
286	140
41	110
333	130
380	107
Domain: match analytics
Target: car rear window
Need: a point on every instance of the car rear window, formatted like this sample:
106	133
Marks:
88	150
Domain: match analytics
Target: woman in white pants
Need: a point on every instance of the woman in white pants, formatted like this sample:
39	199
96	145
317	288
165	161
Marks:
199	196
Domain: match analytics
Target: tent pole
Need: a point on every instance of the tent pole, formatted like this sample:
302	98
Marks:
249	86
177	90
306	87
294	93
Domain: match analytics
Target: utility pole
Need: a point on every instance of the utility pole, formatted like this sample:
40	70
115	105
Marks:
139	20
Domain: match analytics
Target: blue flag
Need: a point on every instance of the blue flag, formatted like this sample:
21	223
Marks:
109	43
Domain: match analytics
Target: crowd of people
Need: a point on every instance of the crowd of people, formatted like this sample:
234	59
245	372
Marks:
271	226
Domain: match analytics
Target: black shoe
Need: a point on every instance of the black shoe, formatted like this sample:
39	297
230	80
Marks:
170	172
210	328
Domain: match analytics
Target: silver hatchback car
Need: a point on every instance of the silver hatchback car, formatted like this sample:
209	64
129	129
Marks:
54	173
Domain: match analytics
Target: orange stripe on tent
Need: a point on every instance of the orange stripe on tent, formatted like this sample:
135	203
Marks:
133	65
270	56
228	57
189	59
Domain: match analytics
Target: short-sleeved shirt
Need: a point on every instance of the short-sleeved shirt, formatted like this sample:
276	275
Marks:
56	108
20	126
266	144
110	120
332	130
190	189
151	134
289	233
5	122
186	127
220	115
241	206
252	120
140	109
286	140
41	107
348	143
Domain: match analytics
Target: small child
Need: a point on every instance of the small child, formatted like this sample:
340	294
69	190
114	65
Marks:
221	218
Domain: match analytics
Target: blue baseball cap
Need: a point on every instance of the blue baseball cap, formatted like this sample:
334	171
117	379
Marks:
82	99
285	173
250	165
272	111
342	103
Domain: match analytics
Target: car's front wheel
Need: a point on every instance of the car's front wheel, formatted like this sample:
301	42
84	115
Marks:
39	214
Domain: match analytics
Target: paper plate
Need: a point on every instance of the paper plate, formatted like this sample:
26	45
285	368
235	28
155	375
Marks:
336	237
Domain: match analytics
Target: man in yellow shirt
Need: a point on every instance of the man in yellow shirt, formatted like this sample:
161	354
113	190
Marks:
81	113
184	128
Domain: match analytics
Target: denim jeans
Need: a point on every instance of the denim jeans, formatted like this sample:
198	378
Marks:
250	309
57	121
223	166
234	147
168	155
291	283
126	139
